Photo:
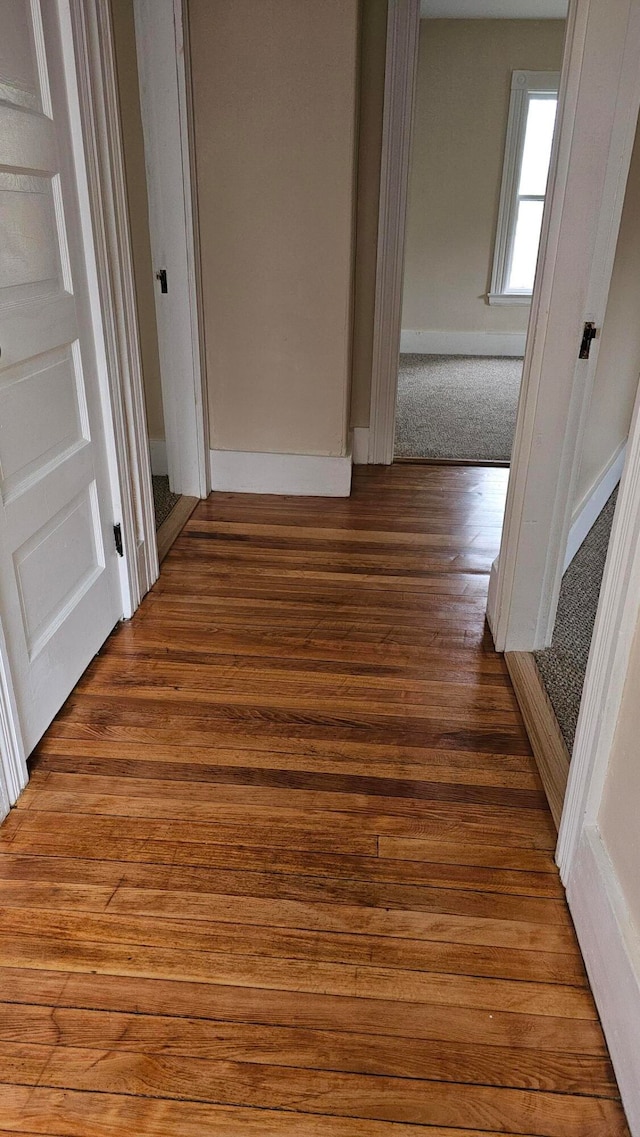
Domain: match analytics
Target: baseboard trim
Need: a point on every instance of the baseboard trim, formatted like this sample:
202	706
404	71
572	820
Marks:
360	445
549	749
462	343
611	950
492	595
589	509
172	527
310	475
158	456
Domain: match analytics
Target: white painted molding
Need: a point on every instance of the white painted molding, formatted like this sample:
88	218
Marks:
463	343
597	119
360	445
610	946
162	51
616	619
593	502
510	299
403	24
313	475
491	594
158	455
13	763
102	147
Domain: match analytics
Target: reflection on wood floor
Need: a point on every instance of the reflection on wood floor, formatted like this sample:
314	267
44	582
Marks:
284	867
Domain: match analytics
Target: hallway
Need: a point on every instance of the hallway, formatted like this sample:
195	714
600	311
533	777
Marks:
284	867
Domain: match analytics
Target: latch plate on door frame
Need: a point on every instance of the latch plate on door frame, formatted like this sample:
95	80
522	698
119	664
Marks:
588	335
117	536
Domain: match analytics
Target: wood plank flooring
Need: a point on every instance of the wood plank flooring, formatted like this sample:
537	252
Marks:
285	866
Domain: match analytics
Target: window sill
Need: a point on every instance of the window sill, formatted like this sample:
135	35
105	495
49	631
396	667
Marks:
509	298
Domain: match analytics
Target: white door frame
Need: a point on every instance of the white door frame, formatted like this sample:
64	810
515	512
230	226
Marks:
616	622
116	301
403	27
165	102
598	113
600	913
13	761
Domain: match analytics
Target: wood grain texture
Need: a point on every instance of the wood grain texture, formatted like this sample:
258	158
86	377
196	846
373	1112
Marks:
285	863
173	525
548	745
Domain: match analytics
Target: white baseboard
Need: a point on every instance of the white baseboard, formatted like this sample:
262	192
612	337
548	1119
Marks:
158	455
462	343
313	475
589	509
360	445
492	616
611	949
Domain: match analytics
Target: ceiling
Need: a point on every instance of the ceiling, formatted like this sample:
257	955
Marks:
494	9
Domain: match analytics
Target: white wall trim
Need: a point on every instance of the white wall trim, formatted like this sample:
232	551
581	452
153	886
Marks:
593	502
463	343
158	456
598	111
162	51
102	138
313	475
403	25
360	445
509	299
617	616
13	764
611	949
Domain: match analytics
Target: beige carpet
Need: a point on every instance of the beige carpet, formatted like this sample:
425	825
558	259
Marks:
563	665
163	499
457	406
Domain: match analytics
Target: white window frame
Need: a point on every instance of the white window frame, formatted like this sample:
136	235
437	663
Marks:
523	84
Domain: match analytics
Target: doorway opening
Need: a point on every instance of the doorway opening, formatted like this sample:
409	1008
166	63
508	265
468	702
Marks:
558	670
486	95
172	508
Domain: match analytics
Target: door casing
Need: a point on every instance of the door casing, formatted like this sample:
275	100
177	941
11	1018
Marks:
163	60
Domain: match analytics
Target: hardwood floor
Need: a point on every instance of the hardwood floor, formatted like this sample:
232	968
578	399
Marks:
285	867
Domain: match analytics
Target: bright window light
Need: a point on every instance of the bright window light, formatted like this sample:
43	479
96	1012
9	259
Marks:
532	117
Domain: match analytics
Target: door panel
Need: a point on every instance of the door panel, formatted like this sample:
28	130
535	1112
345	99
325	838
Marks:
59	587
23	76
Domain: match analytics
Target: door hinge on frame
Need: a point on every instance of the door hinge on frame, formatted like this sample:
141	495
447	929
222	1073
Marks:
117	536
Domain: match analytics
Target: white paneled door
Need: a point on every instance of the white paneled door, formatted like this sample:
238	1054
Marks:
59	580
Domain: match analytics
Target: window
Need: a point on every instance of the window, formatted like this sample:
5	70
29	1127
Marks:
532	116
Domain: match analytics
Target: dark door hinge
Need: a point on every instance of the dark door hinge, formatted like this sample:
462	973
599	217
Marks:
588	335
161	275
117	536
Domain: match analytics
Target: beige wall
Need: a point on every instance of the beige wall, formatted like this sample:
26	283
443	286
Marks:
620	809
618	369
125	47
274	87
373	45
462	105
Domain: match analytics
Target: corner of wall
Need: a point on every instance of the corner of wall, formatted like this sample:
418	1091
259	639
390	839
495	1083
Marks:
308	475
